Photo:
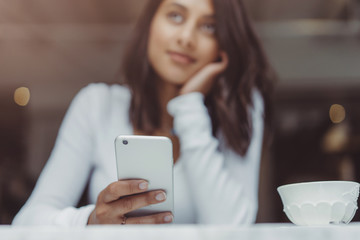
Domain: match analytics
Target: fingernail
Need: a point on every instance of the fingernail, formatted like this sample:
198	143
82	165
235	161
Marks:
143	185
160	196
168	218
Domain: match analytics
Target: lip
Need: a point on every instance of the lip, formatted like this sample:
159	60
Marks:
181	58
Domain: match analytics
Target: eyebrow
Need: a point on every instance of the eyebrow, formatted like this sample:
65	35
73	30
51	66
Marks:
174	4
179	5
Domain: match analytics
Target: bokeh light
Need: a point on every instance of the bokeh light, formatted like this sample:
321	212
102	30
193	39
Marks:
22	96
337	113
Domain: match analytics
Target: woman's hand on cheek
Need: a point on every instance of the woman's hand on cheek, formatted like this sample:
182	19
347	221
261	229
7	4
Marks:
203	80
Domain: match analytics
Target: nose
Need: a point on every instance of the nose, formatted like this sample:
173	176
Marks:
186	36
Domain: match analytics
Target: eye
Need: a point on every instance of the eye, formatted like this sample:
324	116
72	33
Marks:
175	17
208	28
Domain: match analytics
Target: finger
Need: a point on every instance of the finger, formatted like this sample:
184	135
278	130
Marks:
131	203
211	70
224	57
160	218
203	80
118	189
218	67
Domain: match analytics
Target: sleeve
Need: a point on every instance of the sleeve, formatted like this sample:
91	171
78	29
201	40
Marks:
220	194
65	175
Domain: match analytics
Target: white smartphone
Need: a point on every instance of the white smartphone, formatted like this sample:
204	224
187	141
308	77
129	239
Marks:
149	158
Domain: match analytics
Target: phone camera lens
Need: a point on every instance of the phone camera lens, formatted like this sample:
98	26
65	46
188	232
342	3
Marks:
125	142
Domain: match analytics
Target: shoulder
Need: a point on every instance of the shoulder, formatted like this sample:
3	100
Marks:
104	92
100	99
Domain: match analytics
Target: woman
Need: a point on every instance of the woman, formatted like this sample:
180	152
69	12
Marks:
195	72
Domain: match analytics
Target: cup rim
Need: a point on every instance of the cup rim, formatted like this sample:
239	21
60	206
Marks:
316	182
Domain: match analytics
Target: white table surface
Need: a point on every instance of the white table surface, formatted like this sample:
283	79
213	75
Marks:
185	232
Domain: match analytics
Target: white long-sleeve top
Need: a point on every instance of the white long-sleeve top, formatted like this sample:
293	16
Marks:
212	184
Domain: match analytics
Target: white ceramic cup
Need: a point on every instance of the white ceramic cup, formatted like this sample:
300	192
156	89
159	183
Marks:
320	203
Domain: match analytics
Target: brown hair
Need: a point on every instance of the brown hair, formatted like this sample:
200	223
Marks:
229	99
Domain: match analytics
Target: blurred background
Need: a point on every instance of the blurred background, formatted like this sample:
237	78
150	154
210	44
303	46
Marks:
49	49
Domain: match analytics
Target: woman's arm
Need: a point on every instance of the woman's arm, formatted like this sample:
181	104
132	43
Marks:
64	178
65	175
221	193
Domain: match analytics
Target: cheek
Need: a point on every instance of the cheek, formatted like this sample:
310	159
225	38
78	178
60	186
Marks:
156	38
159	33
210	52
156	44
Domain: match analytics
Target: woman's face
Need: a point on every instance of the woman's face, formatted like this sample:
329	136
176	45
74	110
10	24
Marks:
182	39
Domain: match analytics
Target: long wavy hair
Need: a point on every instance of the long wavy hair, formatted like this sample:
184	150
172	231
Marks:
229	100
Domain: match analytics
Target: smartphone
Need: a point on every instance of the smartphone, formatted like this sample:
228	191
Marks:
149	158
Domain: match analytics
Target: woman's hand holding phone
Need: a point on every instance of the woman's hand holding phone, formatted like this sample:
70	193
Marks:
125	196
203	80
